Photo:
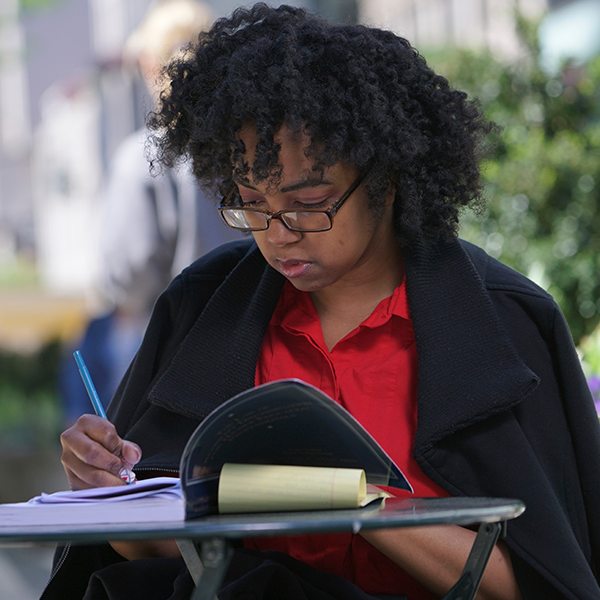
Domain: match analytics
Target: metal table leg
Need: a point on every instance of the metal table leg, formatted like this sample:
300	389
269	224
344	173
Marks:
206	565
468	584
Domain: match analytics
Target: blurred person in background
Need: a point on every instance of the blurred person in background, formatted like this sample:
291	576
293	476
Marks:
152	226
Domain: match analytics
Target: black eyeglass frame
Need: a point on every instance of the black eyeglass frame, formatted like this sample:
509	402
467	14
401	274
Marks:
330	212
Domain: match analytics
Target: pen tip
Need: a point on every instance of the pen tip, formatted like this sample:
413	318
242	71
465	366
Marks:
127	476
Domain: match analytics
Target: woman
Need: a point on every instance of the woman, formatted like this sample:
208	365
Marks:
348	159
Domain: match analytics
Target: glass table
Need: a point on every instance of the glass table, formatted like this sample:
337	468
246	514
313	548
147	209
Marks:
205	543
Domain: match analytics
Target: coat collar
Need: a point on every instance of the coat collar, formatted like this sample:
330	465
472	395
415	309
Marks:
468	366
218	357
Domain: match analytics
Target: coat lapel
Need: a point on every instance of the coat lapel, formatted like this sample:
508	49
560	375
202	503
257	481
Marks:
218	357
468	366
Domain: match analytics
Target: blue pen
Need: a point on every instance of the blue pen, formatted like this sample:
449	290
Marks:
126	475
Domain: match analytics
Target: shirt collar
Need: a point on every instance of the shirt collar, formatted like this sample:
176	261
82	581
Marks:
296	313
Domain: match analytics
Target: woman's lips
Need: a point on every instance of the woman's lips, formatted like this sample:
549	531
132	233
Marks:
292	268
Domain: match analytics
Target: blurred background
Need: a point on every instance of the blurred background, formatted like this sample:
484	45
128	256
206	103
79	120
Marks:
72	92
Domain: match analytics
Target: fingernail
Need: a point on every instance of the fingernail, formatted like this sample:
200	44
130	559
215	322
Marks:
138	454
127	450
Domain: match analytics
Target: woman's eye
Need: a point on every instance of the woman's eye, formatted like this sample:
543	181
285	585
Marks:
312	204
251	202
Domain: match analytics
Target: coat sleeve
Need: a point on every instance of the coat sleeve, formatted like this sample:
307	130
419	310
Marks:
560	429
554	454
553	459
584	427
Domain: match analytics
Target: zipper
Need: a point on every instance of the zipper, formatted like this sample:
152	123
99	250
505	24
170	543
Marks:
155	470
63	558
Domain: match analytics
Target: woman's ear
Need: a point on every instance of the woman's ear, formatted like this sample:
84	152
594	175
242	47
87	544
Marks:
390	194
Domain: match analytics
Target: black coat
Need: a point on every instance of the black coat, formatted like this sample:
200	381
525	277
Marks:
503	407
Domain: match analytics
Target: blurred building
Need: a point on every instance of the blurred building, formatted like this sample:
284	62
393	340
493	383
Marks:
15	129
571	30
434	23
48	45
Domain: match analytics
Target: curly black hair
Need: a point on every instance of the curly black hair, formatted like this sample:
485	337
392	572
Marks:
363	95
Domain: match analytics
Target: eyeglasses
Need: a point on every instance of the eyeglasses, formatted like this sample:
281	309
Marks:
306	220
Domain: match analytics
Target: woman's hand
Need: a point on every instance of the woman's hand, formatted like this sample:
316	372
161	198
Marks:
147	549
94	455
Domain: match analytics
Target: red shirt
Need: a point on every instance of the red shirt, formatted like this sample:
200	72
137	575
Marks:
372	373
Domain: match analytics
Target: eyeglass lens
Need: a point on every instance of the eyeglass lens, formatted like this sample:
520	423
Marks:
294	220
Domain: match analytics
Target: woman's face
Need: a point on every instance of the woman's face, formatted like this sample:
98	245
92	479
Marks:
351	252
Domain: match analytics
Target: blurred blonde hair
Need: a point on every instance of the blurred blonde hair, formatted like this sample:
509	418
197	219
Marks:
168	26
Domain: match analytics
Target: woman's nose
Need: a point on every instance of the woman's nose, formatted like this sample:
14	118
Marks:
279	235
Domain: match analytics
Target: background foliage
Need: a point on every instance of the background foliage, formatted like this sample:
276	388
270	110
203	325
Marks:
34	4
31	413
543	179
